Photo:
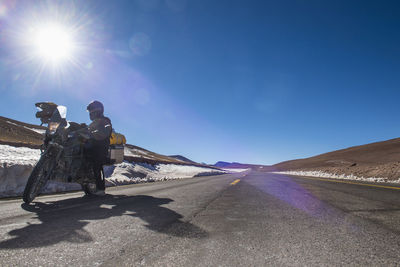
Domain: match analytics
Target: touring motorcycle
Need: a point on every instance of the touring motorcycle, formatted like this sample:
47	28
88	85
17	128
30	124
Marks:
63	155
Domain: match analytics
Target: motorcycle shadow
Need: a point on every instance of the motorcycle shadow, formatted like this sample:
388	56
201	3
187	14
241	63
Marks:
69	220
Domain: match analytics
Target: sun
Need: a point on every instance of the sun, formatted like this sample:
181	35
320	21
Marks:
53	43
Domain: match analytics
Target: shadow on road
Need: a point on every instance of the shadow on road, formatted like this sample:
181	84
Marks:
65	220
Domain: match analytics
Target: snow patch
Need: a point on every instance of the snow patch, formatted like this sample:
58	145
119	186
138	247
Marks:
12	123
18	155
13	178
338	176
128	173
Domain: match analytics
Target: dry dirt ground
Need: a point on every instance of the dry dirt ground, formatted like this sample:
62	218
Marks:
380	159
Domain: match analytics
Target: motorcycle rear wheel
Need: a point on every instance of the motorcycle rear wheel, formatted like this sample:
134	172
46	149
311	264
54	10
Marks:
38	178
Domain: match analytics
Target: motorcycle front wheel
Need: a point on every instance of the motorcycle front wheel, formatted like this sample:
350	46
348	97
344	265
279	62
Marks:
38	178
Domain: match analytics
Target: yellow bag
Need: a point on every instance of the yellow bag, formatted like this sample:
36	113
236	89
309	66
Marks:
117	139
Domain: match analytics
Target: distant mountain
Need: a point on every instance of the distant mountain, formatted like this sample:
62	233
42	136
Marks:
237	165
182	158
223	164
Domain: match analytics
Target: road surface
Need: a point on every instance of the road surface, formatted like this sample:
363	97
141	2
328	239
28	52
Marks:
246	219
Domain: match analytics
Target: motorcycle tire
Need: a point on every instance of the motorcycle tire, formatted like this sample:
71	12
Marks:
38	178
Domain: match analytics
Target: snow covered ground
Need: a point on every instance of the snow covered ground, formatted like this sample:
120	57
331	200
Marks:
338	176
128	173
16	164
18	155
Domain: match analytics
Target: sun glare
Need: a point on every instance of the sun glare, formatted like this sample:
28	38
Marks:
53	43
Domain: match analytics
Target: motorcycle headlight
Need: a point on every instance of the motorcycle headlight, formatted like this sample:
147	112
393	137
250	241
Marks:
53	126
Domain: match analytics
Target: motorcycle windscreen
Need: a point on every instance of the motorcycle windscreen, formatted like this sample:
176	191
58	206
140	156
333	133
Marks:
63	111
58	116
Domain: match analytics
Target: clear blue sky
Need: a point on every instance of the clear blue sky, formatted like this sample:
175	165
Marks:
248	81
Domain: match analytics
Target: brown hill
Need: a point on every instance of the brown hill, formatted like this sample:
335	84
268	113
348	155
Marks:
18	133
180	157
380	159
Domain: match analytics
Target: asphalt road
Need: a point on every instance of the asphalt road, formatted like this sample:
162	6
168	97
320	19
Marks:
262	220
